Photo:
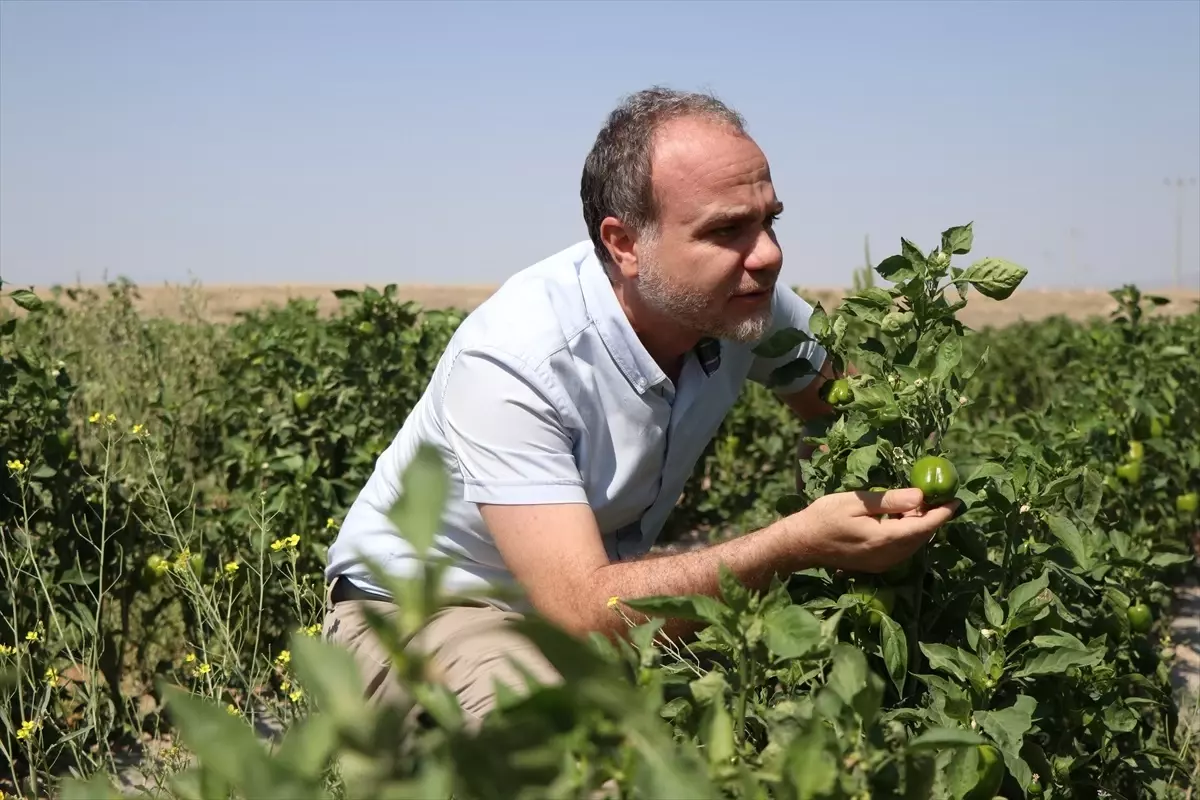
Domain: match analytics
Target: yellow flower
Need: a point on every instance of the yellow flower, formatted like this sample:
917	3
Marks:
27	729
330	523
296	695
137	429
32	636
232	567
111	418
51	675
284	657
16	466
286	543
203	669
312	630
613	602
283	687
189	658
5	650
94	418
232	709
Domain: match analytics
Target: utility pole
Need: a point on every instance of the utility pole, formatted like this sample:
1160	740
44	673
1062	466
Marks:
1179	184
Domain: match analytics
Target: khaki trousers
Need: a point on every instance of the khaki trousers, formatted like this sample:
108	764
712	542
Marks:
469	647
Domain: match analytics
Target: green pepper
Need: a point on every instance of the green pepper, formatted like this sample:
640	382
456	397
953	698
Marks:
1130	471
936	477
837	392
1140	618
989	772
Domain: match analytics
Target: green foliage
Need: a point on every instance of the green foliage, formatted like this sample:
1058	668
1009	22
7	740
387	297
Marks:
1009	653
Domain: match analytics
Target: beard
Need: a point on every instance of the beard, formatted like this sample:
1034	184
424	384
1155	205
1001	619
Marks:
693	309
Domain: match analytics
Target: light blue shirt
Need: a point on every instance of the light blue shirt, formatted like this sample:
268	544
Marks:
546	395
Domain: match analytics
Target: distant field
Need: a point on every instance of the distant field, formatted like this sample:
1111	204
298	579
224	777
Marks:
223	302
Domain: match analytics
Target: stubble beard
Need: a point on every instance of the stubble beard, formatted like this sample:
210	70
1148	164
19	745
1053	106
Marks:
690	308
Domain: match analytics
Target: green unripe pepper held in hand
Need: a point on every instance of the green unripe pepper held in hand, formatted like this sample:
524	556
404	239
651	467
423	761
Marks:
936	477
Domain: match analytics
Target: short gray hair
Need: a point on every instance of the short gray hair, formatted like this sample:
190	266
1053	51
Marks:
616	174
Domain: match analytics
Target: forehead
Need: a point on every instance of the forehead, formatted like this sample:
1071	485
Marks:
699	166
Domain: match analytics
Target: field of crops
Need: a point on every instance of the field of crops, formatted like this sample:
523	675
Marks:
169	488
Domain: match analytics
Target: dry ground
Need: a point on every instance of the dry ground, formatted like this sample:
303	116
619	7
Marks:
223	302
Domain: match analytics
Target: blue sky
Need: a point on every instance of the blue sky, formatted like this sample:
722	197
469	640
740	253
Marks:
244	142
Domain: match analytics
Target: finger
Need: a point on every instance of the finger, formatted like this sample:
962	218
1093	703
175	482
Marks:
918	526
893	501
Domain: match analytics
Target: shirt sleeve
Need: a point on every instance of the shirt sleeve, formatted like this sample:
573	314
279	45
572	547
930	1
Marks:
790	310
510	442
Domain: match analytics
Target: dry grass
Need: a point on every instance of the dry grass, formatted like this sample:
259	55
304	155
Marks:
221	303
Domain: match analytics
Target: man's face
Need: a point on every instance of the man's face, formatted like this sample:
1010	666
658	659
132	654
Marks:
714	261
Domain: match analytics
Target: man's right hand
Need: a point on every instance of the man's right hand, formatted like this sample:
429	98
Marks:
854	531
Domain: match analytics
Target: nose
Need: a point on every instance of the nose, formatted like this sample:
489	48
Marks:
766	254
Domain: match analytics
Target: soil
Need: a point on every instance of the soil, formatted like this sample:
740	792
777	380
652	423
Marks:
222	303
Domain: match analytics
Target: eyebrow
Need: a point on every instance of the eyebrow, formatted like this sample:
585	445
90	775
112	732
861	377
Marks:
735	215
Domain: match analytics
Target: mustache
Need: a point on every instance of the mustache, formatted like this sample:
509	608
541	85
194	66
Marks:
756	287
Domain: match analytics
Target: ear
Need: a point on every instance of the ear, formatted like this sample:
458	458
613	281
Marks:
622	246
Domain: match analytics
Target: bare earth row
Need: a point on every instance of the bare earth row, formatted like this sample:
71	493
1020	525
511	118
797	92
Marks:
221	303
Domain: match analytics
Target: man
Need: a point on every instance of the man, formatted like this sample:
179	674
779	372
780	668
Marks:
572	406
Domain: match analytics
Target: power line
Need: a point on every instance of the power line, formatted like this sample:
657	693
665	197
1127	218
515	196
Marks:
1180	184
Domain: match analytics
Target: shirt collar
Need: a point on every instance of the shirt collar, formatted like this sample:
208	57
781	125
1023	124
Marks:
627	350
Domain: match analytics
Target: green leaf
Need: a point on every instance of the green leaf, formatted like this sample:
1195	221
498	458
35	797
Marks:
1007	727
958	239
792	632
948	356
328	673
1057	661
811	764
1027	595
417	513
872	296
894	644
896	269
848	676
719	743
26	300
97	787
952	660
994	277
790	372
1170	559
698	608
710	688
911	252
1065	531
224	744
992	610
308	746
988	469
860	461
941	738
781	342
733	591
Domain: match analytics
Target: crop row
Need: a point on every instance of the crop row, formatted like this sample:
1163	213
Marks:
170	488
